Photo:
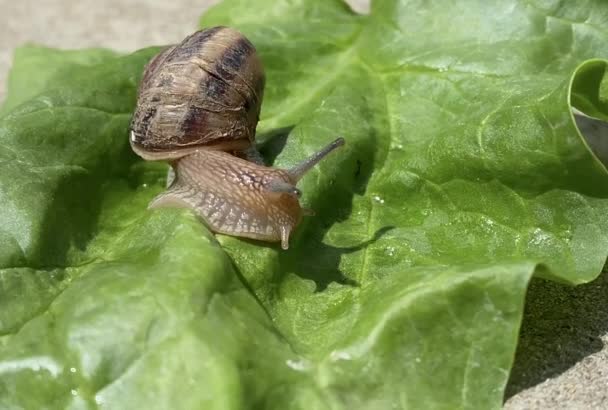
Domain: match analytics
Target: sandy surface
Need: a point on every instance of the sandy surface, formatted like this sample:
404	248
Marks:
561	362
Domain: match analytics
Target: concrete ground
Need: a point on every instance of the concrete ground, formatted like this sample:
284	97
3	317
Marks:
562	359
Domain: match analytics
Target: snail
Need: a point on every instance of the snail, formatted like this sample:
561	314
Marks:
197	108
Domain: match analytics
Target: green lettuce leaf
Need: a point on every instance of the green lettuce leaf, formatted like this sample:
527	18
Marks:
463	176
25	83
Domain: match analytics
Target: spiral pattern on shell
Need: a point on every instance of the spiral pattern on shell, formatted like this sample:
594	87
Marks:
205	91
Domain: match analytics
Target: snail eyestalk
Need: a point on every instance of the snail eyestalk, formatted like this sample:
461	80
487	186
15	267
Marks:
278	186
302	168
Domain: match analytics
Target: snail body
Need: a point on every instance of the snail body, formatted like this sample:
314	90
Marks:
198	107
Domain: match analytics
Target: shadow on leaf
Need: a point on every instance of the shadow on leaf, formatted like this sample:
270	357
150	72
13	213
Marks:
312	259
71	217
272	142
309	256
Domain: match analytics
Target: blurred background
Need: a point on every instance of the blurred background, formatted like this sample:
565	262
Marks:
116	24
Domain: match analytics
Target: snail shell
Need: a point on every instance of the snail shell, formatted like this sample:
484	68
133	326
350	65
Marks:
206	91
198	104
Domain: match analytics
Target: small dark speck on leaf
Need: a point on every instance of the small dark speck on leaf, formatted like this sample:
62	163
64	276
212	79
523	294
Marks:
358	171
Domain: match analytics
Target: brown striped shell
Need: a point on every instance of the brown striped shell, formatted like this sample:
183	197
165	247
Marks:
206	91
